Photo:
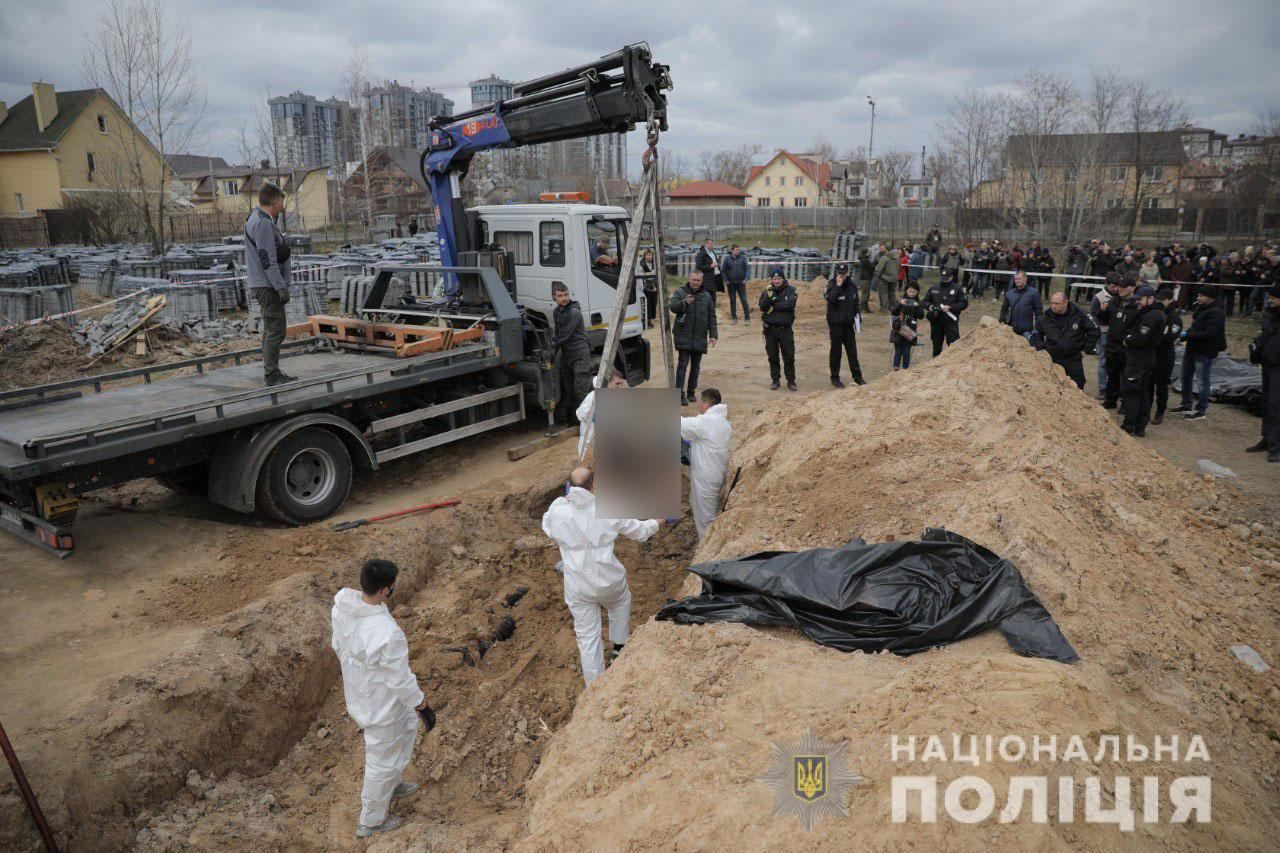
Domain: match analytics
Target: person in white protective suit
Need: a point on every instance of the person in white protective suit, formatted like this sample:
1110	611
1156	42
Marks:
593	577
708	435
587	412
382	693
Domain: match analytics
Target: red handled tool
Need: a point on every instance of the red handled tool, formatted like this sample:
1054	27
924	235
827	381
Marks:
361	522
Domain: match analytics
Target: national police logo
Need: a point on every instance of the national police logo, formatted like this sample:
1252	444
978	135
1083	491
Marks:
809	779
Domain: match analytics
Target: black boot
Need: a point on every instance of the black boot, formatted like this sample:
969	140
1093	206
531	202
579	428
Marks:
835	380
858	380
1260	447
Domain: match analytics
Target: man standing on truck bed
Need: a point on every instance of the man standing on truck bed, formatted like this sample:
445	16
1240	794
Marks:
572	349
266	258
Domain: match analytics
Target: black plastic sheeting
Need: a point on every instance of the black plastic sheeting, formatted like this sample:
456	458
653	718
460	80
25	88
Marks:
1232	380
903	597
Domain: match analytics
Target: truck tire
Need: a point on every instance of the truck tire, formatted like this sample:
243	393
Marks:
305	478
192	480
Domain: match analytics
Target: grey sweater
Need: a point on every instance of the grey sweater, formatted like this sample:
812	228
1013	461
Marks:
263	247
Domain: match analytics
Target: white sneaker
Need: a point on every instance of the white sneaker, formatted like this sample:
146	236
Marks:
392	822
404	789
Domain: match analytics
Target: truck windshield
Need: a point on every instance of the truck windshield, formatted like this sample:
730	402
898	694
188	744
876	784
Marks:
605	241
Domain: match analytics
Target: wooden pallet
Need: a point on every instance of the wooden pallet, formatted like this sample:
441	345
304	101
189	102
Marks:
403	339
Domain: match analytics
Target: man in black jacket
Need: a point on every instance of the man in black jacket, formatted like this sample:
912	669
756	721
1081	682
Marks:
1141	344
572	350
1266	353
777	314
708	264
942	305
693	328
1067	331
1122	312
1163	373
1206	337
842	321
734	270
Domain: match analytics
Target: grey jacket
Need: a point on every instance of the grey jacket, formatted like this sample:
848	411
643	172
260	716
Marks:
266	256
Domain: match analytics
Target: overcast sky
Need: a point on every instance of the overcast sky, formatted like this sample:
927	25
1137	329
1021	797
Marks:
775	78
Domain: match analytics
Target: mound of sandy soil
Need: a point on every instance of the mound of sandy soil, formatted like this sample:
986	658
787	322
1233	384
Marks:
1144	566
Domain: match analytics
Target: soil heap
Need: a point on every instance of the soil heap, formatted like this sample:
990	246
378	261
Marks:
1144	566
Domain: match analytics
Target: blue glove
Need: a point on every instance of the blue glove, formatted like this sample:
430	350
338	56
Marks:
671	520
1183	336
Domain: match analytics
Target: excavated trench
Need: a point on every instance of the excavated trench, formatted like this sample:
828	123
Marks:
241	740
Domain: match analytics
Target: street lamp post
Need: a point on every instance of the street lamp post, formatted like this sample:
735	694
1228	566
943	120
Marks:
866	181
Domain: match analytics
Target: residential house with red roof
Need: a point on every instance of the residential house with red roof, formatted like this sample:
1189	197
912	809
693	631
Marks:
790	180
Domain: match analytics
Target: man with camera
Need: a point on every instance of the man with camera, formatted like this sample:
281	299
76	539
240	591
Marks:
777	315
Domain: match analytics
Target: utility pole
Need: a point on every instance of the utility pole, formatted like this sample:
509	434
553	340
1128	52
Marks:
922	167
866	185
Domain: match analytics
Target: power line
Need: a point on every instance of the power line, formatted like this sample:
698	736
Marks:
910	127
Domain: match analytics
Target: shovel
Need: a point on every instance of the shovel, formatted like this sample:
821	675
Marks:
361	522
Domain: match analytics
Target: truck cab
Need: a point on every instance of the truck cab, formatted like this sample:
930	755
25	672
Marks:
580	245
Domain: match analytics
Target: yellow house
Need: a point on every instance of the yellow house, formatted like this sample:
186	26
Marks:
214	187
59	144
789	180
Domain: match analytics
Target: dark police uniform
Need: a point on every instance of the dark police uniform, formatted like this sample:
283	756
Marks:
941	327
778	313
1142	343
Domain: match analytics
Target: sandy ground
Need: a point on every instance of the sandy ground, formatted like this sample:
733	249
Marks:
184	637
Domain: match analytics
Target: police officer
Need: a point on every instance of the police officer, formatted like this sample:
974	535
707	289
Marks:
1123	311
1265	352
942	305
1163	372
842	322
777	314
1141	345
1067	331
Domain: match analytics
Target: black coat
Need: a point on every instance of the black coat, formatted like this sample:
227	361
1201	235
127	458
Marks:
1146	331
570	336
944	293
908	312
1207	335
1066	336
1267	344
778	306
705	265
1123	314
842	302
695	323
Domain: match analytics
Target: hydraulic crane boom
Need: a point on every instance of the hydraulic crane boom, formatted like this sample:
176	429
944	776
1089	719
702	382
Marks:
611	95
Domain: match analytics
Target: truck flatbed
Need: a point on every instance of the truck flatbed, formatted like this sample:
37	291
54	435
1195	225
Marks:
78	428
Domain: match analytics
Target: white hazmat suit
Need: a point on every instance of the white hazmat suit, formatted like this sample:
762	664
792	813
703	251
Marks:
593	577
587	418
382	695
708	435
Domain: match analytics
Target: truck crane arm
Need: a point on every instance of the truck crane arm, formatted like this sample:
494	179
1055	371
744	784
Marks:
610	95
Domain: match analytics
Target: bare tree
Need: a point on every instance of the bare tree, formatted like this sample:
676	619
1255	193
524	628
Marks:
823	150
1147	113
1043	110
140	56
971	136
895	167
729	166
358	72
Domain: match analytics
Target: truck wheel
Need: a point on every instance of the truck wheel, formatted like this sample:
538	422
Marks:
306	477
192	480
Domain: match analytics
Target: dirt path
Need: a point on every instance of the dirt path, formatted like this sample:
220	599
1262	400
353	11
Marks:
162	580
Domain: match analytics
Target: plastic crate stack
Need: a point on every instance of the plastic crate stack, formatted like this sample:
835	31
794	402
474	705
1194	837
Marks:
304	300
847	244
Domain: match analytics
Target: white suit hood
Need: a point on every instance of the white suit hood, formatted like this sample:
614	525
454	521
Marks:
377	682
586	542
709	435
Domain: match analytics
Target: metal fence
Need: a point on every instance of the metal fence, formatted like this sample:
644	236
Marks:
877	220
20	231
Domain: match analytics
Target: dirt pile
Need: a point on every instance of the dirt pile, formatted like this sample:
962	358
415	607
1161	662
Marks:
1146	568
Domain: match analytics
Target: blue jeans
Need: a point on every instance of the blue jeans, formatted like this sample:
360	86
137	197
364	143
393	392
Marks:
901	354
1102	362
1194	366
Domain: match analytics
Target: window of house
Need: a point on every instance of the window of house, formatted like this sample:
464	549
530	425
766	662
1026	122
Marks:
767	180
22	205
925	192
1117	174
102	124
1203	184
1113	203
518	243
1153	173
801	201
762	202
799	181
1151	203
230	187
782	201
89	161
908	192
551	244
